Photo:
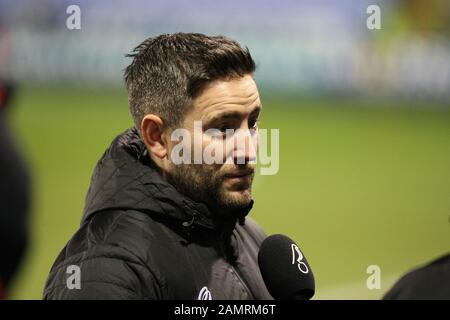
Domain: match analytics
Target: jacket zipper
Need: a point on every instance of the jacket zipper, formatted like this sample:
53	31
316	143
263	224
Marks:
238	275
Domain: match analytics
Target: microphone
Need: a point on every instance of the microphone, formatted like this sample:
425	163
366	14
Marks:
285	270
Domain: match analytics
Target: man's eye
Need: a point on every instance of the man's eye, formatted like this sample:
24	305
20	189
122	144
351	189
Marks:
253	124
224	127
217	131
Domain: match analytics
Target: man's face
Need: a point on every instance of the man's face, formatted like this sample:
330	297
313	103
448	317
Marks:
224	185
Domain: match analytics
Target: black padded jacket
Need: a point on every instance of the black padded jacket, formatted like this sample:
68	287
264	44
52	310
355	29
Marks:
142	239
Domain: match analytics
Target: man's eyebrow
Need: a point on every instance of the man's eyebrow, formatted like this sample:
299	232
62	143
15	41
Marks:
224	115
231	115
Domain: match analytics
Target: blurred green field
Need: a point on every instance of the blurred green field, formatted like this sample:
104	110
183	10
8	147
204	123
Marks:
360	183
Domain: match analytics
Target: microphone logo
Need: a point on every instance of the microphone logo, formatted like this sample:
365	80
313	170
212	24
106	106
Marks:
204	294
297	257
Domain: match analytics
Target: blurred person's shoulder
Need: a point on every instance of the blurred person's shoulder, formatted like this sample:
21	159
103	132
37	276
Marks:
431	281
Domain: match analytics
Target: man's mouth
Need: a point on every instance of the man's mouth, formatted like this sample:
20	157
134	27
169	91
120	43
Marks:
241	180
242	174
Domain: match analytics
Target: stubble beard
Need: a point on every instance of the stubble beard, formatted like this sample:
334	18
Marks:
206	183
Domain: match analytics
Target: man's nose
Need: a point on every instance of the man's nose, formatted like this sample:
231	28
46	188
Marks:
246	145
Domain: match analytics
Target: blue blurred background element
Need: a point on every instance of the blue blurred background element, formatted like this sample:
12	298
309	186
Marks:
303	47
363	114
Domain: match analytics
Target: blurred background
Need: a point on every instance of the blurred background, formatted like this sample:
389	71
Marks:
364	119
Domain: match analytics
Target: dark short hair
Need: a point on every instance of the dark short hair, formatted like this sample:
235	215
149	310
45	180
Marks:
169	71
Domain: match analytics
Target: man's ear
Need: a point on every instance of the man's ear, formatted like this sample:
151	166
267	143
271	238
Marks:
152	134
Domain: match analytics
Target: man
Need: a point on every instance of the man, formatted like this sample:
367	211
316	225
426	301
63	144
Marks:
155	228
